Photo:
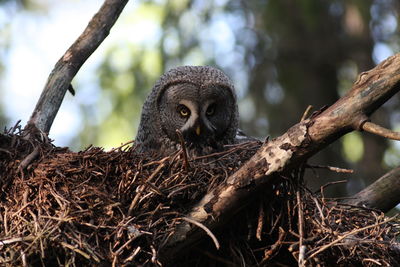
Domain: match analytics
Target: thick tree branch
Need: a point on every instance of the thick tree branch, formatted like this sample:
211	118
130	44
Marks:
370	91
68	65
383	194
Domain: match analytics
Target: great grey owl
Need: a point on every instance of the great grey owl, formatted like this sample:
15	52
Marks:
199	101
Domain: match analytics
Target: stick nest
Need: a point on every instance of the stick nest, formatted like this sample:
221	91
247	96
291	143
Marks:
120	208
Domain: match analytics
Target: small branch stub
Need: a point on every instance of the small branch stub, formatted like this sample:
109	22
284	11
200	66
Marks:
184	150
298	144
379	130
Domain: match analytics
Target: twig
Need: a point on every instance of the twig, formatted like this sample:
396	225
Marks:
348	234
202	226
24	261
154	256
125	144
328	184
274	247
183	187
372	260
379	130
334	169
144	186
306	112
16	239
71	90
77	250
12	130
5	151
260	222
28	159
229	151
119	250
300	260
133	255
319	209
186	165
160	161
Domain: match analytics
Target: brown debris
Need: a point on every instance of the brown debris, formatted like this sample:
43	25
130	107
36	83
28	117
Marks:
119	208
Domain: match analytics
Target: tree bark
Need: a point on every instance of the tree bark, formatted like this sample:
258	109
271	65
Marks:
369	92
383	194
69	64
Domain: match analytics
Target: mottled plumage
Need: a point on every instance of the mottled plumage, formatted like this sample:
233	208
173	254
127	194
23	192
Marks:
200	101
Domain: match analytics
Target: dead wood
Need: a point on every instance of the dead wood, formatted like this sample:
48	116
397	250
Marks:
120	207
383	194
95	206
369	92
72	208
69	64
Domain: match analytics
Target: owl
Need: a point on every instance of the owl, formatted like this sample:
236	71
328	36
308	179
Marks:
199	101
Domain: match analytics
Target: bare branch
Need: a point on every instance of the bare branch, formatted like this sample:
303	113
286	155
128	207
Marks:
383	194
69	64
370	91
379	130
209	233
334	169
306	112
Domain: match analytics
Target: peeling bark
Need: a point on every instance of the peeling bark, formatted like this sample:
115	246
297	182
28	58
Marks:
369	92
300	142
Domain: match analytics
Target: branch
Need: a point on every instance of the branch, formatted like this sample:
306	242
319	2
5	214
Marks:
383	194
369	92
69	64
379	130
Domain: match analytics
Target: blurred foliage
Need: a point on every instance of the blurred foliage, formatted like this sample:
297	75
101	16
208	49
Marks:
353	147
282	55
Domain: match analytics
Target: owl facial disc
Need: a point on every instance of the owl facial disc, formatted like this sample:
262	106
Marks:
197	125
199	101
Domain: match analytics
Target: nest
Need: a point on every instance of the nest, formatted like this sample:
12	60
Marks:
119	208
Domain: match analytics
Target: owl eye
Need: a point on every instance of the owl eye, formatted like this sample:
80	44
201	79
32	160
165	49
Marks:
183	111
210	110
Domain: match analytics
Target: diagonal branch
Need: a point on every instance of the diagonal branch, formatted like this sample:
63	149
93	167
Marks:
383	194
69	64
369	92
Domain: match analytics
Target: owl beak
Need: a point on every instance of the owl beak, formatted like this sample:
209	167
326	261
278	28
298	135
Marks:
198	131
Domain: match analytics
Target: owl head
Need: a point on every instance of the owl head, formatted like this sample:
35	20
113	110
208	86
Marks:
199	101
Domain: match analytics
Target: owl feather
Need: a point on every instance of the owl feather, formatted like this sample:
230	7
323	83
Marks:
152	134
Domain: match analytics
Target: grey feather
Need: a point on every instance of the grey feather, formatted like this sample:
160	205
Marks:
158	122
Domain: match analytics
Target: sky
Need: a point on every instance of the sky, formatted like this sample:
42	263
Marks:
37	42
39	39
